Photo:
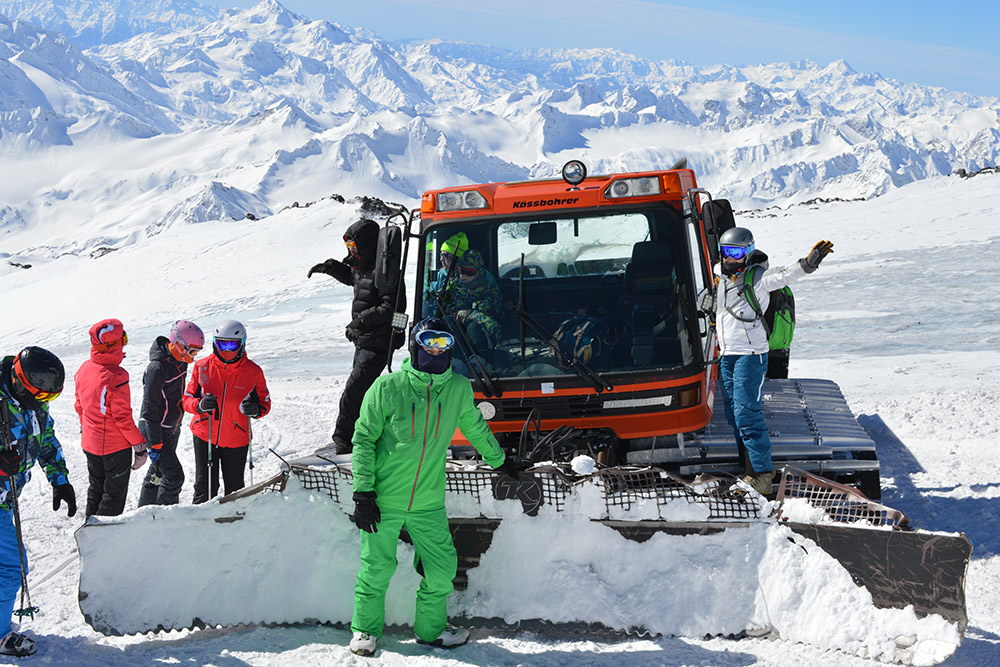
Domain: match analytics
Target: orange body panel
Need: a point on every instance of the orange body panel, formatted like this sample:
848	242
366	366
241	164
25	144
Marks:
546	197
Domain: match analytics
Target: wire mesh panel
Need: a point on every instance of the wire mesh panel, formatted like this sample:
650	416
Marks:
625	487
622	489
334	481
841	503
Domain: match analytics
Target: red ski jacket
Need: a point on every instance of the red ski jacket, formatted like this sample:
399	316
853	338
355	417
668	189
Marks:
230	384
104	403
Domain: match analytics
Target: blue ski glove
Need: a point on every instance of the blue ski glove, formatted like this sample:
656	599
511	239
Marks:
154	451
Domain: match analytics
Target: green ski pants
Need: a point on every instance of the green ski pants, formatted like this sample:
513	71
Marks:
434	550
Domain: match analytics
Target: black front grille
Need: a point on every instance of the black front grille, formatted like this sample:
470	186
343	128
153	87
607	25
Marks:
552	407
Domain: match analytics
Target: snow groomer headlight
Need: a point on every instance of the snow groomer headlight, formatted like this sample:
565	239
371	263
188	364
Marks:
633	187
459	201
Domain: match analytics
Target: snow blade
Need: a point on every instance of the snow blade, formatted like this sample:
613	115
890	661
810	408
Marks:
648	548
901	568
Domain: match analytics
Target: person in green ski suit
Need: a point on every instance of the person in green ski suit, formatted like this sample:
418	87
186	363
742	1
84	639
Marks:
400	443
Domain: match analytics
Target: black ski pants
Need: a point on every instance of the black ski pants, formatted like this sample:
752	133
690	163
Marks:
109	475
165	476
232	460
367	366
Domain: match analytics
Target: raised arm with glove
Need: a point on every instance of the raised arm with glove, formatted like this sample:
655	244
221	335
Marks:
811	262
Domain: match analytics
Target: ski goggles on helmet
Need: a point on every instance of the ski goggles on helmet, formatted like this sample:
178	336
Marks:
104	347
38	394
227	345
429	338
736	251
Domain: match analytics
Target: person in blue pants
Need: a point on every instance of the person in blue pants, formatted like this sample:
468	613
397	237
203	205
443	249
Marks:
743	343
28	382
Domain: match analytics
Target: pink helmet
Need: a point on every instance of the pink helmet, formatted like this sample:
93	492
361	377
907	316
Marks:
186	340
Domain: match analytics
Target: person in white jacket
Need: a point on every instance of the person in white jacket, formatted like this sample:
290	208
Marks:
743	343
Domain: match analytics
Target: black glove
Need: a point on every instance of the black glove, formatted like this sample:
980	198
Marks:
61	492
208	404
513	466
366	513
816	255
326	267
10	462
250	407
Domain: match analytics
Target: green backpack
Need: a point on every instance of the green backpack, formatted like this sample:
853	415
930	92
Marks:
779	320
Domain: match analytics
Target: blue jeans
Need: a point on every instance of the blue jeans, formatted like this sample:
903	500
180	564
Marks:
10	569
743	391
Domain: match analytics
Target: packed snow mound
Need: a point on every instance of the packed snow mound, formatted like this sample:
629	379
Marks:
561	567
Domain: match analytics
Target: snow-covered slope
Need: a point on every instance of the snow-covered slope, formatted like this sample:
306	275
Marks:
902	316
404	117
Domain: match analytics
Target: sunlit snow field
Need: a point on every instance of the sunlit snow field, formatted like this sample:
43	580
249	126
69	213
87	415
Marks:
903	316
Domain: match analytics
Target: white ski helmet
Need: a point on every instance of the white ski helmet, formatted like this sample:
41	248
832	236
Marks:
185	341
229	341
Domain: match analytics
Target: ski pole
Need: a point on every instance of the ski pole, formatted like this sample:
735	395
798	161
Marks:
26	609
250	448
208	491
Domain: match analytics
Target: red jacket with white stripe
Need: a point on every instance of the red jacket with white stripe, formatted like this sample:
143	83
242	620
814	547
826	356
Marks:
104	403
230	384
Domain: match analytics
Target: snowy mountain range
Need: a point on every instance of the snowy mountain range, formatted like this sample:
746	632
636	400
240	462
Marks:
204	113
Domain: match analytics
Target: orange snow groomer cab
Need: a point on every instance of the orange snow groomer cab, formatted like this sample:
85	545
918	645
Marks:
574	304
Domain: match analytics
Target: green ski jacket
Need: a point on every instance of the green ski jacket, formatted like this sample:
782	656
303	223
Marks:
401	438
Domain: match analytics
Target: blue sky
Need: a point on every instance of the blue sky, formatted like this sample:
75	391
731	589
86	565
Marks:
954	45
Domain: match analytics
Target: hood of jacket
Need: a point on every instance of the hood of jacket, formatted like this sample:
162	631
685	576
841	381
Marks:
364	233
159	352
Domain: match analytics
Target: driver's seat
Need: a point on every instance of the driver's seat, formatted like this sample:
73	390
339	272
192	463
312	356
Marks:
648	302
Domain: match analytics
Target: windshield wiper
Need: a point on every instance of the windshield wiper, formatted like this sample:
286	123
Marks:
472	357
583	370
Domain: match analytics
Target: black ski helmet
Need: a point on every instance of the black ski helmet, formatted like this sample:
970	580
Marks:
434	323
230	330
37	375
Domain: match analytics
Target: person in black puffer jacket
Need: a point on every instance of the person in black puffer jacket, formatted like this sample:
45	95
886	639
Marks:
370	329
161	413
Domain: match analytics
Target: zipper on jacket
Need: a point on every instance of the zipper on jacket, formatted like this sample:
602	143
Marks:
413	419
438	425
423	451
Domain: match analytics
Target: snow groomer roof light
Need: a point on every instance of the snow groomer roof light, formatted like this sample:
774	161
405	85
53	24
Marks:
645	186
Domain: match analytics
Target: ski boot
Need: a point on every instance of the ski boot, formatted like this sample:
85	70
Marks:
363	644
450	638
17	645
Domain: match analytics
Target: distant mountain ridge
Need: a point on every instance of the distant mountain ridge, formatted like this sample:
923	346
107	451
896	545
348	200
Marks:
327	108
88	23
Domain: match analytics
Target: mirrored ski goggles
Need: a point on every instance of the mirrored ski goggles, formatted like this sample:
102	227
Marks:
43	396
735	251
227	345
430	338
352	247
